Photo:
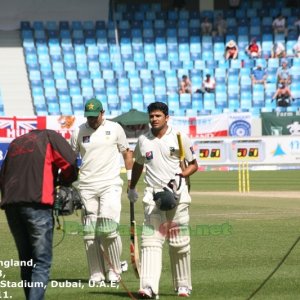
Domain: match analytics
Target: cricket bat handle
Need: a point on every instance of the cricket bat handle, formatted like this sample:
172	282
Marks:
182	162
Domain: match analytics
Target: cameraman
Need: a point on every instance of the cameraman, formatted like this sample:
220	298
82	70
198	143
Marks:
27	181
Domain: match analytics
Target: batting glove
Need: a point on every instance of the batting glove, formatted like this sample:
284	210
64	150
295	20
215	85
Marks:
132	195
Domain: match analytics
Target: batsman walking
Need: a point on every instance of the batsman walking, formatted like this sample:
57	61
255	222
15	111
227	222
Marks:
166	203
100	142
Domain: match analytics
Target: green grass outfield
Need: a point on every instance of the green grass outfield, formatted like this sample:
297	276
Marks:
237	241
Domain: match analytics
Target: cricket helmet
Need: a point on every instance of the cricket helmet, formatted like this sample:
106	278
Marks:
165	199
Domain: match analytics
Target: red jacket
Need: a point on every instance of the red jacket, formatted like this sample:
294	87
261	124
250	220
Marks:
29	171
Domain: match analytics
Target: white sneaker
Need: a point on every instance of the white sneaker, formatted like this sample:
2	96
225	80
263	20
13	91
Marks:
113	276
145	293
97	278
183	291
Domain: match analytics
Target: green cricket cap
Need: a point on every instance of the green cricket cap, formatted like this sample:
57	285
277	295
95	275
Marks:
92	108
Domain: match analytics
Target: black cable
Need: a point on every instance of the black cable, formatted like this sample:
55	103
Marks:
275	270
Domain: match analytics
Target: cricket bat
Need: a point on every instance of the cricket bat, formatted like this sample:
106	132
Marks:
134	247
182	161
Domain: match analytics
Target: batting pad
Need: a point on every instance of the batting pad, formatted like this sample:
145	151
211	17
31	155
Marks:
95	260
151	264
180	257
111	246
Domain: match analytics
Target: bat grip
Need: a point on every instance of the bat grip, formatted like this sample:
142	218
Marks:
131	211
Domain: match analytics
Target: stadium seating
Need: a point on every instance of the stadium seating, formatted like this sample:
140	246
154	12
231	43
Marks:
68	61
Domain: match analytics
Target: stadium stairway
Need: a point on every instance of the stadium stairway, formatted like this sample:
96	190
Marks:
13	77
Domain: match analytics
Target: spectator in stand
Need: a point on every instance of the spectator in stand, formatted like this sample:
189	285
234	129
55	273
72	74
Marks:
253	49
206	26
278	50
231	50
208	85
283	73
279	25
297	24
220	25
185	85
259	75
283	95
296	48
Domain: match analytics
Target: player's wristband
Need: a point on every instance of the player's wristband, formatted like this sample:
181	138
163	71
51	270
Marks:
129	173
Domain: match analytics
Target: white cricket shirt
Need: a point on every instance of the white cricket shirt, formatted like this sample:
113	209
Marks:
161	156
100	152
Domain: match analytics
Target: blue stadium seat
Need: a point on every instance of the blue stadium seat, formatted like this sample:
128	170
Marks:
126	103
295	90
245	82
164	65
152	65
148	98
160	90
270	90
74	91
135	85
113	101
53	109
172	85
150	57
221	99
223	64
243	30
39	100
289	48
77	100
173	101
246	100
78	109
87	92
173	56
137	101
219	49
132	73
185	101
64	99
197	101
98	85
207	55
141	65
150	15
261	61
66	109
145	74
41	109
209	101
67	45
258	98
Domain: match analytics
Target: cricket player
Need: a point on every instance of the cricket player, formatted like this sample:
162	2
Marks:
166	203
100	142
